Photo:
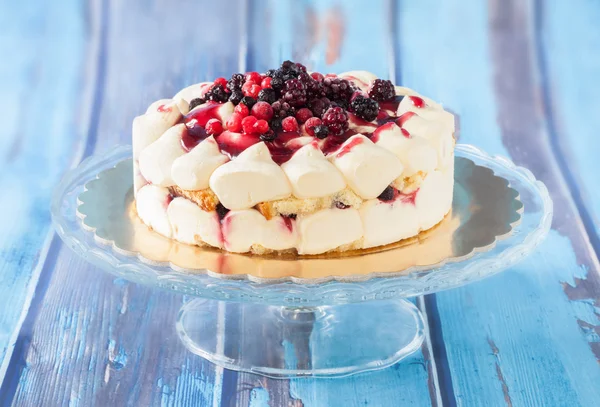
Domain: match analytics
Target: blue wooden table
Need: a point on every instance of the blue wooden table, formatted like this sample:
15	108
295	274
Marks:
524	77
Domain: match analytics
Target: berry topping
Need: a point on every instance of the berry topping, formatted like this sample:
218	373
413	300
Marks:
221	81
317	76
266	83
276	124
365	108
236	82
261	126
269	135
262	110
242	109
294	93
214	127
319	106
338	90
251	89
196	102
236	96
336	119
248	101
253	77
248	123
267	95
310	125
382	90
321	131
235	122
217	93
387	194
221	211
289	124
282	109
277	83
417	102
303	114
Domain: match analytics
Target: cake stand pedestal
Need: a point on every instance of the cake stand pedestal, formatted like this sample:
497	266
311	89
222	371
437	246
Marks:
320	317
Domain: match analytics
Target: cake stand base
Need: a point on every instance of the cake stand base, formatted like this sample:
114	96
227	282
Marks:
284	342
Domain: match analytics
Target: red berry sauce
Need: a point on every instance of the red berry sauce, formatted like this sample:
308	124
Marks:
417	102
202	114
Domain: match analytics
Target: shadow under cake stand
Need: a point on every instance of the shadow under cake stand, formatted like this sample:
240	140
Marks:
317	316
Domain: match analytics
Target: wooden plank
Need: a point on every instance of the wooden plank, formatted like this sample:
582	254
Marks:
41	72
513	339
96	340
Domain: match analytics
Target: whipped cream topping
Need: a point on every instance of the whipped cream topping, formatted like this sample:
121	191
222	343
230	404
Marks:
160	117
192	171
311	174
152	203
362	79
251	178
245	228
367	168
157	159
192	225
328	229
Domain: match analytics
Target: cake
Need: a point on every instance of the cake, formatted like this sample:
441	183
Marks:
293	162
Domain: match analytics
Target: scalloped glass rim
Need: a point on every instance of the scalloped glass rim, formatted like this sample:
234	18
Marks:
534	226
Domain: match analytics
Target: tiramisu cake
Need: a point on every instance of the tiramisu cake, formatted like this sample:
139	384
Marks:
293	162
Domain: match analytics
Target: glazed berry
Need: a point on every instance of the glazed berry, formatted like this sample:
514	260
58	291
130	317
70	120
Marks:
261	126
217	94
262	110
236	96
251	89
337	89
319	106
236	82
283	109
248	123
196	102
214	127
221	210
294	93
303	115
310	125
336	120
248	101
242	110
270	73
269	135
382	90
289	124
276	124
253	77
299	67
234	123
266	83
317	76
365	108
267	95
387	194
277	83
221	81
321	131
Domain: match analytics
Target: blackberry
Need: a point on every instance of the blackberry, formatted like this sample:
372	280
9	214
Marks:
365	108
314	88
277	83
221	210
196	102
283	109
337	89
294	93
341	103
236	81
217	94
321	131
336	119
319	106
275	124
267	95
248	101
299	67
270	135
387	194
382	90
236	96
270	73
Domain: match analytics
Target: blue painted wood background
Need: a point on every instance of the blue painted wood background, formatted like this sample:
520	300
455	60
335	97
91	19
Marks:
522	74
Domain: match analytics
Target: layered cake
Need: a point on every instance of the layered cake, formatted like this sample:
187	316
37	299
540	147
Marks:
293	162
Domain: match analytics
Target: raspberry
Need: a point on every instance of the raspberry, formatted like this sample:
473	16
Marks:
236	82
217	93
317	76
214	127
196	102
303	115
221	81
294	93
387	194
382	90
321	131
337	89
251	89
253	77
262	110
261	126
269	135
282	109
289	124
266	83
310	125
267	95
319	106
336	120
234	123
248	124
365	108
248	101
236	96
242	110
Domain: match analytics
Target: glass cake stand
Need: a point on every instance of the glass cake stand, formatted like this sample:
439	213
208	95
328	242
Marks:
316	316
